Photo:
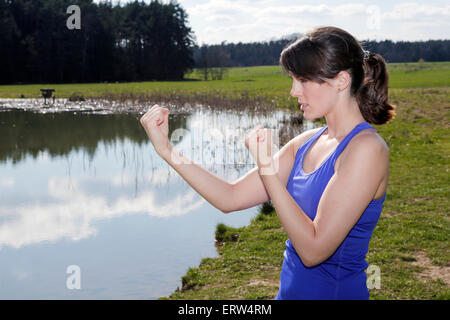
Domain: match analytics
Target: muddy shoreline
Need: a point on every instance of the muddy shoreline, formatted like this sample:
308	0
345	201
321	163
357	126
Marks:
108	106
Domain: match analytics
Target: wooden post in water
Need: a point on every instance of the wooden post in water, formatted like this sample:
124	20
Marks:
48	93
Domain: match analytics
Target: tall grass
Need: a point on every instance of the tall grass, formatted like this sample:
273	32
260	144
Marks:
264	83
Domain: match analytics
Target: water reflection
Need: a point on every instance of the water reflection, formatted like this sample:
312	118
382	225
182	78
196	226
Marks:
71	212
89	190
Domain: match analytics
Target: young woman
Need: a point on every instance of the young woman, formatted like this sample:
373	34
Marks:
328	184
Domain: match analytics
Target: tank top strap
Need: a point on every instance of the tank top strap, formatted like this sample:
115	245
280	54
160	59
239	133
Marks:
313	138
358	128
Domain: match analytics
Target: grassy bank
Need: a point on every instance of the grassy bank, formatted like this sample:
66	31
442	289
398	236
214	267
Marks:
240	86
410	242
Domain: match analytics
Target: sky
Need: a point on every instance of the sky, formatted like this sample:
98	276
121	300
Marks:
215	21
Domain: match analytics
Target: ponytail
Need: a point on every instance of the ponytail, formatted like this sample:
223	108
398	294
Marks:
372	97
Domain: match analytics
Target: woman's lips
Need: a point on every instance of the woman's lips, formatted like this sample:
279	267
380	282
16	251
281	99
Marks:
303	106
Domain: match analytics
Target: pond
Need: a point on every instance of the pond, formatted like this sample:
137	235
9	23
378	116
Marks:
83	187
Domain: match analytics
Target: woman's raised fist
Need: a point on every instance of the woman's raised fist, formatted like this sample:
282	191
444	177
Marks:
156	124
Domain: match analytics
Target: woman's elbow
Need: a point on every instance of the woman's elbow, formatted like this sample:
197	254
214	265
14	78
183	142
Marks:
312	259
309	262
227	209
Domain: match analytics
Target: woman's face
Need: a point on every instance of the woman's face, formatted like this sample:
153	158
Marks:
315	99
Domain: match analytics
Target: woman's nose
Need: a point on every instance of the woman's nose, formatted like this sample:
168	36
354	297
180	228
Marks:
295	92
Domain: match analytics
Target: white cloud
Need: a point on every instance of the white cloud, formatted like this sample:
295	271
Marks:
414	11
220	7
6	182
262	20
219	18
215	21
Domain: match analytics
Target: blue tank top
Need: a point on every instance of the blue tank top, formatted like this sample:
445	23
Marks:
342	275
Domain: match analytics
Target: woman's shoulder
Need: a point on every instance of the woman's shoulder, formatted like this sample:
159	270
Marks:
367	145
367	154
300	139
370	140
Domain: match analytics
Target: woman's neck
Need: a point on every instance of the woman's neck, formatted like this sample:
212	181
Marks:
343	118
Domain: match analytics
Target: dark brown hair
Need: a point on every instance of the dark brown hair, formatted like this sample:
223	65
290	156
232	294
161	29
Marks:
325	51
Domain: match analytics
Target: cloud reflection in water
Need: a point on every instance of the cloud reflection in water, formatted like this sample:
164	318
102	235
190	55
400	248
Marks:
73	213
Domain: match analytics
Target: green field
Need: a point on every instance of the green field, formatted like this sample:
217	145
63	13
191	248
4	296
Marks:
410	242
266	83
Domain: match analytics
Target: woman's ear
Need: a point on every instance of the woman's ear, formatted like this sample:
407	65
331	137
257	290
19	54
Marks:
343	80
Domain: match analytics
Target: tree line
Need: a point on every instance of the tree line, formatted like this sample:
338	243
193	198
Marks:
268	53
138	41
132	42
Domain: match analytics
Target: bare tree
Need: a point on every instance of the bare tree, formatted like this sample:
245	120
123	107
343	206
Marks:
213	62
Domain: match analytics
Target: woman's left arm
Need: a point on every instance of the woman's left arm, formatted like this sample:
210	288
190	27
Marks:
345	198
